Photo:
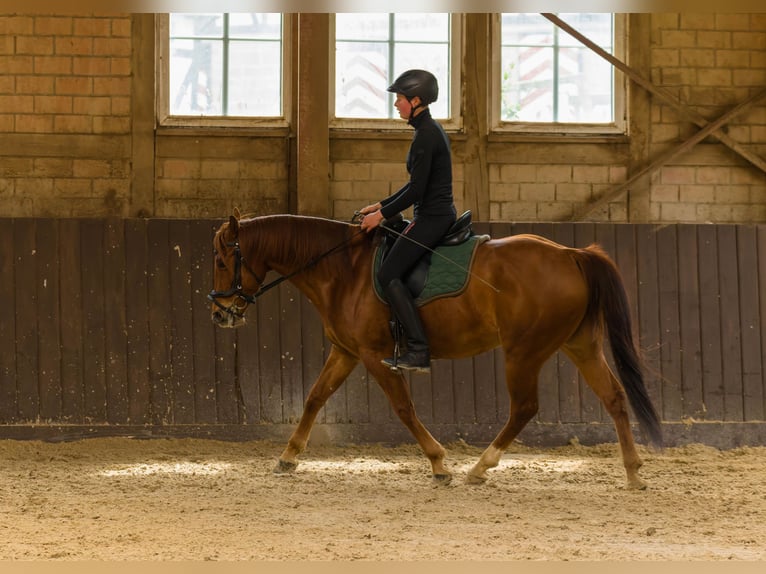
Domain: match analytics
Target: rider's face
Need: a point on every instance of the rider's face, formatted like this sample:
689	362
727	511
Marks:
404	107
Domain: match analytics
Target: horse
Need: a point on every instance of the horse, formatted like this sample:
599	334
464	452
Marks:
526	294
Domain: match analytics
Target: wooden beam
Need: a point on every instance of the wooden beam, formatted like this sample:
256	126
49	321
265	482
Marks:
142	196
475	74
313	133
686	113
669	155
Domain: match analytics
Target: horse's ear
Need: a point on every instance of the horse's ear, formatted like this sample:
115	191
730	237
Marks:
237	214
234	226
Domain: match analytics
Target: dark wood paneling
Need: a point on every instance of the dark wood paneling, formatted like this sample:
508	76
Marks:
48	319
106	322
710	323
115	322
7	321
649	310
160	323
203	343
182	328
137	321
731	333
669	321
27	367
689	322
752	371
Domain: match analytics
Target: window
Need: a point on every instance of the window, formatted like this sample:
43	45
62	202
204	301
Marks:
371	50
548	77
222	68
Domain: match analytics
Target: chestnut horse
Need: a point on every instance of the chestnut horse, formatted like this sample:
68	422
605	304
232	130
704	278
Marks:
528	295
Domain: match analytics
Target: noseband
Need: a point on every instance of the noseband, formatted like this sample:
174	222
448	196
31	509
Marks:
236	286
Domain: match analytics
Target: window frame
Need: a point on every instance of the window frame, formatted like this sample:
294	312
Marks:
455	120
165	119
619	127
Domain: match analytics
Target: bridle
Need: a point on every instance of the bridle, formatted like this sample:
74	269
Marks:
236	284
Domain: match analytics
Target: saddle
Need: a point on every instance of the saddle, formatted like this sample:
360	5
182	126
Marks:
431	278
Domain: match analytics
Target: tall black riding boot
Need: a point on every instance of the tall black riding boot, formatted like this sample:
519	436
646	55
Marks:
417	356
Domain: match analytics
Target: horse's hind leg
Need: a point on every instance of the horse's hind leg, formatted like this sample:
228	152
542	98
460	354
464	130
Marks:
521	380
395	388
589	358
337	367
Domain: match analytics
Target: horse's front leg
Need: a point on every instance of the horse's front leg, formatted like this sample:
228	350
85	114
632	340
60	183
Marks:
337	367
395	388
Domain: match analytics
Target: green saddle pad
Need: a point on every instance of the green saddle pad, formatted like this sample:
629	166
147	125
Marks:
447	274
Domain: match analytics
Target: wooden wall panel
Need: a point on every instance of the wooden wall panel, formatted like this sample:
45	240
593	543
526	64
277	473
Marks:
105	325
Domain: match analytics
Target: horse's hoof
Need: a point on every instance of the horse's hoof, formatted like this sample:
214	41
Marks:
441	479
636	484
475	479
283	467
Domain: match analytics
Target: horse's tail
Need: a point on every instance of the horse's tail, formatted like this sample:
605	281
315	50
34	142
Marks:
607	298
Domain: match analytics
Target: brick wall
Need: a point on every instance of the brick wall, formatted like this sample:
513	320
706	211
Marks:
65	97
68	138
710	62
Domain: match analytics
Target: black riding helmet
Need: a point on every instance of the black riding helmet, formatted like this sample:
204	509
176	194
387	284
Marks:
416	83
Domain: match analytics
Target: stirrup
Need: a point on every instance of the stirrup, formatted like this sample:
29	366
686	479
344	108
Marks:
409	362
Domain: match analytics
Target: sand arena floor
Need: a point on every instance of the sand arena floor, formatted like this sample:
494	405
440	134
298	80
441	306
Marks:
179	499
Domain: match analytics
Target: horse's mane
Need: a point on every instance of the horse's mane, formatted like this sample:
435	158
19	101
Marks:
296	240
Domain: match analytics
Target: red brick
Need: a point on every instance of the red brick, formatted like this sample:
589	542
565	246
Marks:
34	85
16	64
34	123
53	104
34	45
91	66
77	86
55	65
92	26
73	46
111	46
53	25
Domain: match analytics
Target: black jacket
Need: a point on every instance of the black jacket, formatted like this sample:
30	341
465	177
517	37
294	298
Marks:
429	164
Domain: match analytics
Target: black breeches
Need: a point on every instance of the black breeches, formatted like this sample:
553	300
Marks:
407	250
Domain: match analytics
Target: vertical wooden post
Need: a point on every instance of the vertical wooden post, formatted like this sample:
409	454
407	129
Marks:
475	98
639	118
313	133
142	197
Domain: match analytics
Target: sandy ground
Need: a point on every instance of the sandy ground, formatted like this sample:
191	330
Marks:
124	499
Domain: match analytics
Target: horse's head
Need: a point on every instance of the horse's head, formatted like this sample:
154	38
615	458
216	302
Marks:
234	281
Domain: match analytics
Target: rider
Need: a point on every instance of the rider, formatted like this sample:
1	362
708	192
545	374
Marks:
429	190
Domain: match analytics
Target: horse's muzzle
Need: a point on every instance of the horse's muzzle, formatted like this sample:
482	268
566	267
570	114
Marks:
227	320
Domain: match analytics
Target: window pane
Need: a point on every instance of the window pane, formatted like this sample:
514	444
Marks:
549	76
431	57
196	77
255	83
225	65
256	26
526	30
196	25
596	27
585	87
421	27
362	27
361	79
527	85
371	50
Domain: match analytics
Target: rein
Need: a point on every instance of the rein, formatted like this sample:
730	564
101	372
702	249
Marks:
236	283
